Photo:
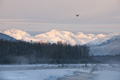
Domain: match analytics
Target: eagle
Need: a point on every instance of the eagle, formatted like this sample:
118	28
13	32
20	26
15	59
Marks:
77	15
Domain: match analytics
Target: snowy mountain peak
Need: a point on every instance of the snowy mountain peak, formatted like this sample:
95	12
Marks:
18	34
67	33
54	32
101	35
81	35
15	31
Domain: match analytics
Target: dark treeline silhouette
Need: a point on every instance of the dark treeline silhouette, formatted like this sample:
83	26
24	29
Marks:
107	58
17	52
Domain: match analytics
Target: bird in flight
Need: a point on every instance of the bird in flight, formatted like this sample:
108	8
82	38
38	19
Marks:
77	15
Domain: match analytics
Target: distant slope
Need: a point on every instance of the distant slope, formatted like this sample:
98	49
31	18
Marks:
110	40
102	38
6	37
109	47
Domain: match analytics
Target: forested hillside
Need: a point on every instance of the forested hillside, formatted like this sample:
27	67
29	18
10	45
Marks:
29	52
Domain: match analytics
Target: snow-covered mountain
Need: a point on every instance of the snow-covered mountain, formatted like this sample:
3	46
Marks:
102	38
54	36
6	37
20	35
109	47
100	44
110	40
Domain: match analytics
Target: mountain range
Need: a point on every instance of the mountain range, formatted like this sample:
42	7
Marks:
54	36
100	44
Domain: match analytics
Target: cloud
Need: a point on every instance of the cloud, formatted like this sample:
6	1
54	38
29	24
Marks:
15	20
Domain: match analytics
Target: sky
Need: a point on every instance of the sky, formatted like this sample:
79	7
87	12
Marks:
44	15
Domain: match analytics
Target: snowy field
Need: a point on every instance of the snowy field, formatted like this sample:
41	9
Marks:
60	72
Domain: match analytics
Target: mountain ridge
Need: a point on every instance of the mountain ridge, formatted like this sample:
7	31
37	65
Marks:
54	36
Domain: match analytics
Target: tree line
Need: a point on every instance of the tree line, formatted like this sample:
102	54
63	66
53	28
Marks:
18	52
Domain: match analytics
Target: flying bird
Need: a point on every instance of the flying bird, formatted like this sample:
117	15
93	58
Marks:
77	15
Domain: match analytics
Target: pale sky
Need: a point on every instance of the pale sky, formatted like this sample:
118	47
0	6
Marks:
44	15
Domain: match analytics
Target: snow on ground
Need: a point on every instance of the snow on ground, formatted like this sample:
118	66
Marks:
108	75
43	74
104	71
55	71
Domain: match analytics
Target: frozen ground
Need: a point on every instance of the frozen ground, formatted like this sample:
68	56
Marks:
60	72
49	74
108	75
99	75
